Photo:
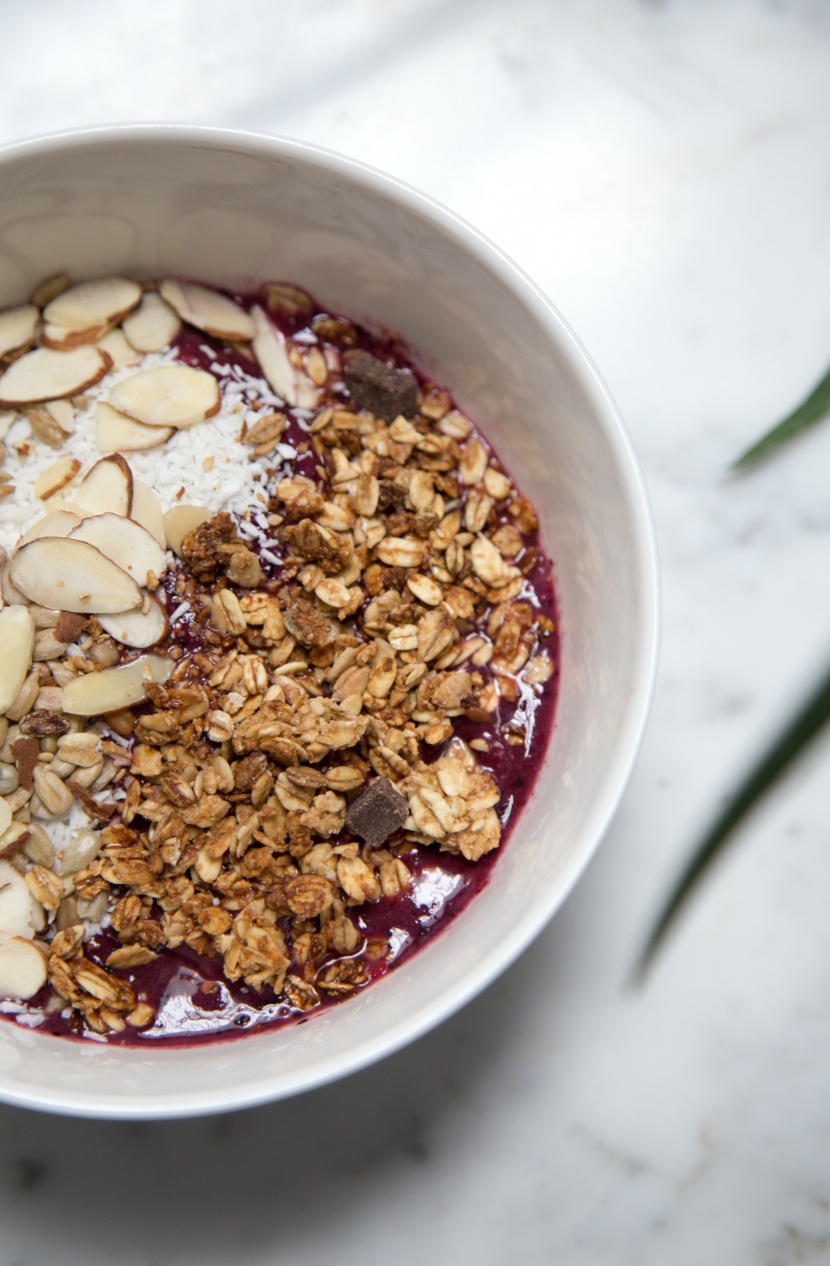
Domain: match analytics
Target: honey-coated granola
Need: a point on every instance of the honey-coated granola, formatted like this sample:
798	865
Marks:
313	713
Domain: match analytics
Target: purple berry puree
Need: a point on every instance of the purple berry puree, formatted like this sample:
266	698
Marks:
193	1000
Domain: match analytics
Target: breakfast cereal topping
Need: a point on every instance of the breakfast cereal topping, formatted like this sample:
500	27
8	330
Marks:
275	622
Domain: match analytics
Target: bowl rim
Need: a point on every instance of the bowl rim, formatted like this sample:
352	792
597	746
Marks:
273	1088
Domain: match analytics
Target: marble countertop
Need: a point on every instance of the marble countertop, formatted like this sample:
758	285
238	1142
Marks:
663	171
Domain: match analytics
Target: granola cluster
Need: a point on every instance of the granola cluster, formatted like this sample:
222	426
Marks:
301	744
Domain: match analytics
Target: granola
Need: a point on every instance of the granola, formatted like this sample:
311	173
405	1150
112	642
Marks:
248	754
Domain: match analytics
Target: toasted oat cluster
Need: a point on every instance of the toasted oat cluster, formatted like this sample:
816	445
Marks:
232	731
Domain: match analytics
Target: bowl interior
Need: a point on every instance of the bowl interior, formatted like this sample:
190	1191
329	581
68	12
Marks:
234	210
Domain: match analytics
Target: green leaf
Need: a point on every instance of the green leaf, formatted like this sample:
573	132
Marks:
804	726
809	411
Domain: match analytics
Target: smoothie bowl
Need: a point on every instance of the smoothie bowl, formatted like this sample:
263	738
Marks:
328	624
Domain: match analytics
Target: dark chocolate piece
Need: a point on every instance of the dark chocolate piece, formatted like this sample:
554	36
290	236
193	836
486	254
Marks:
383	390
377	812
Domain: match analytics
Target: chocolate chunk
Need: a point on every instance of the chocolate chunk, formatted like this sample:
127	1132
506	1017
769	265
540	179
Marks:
383	390
377	812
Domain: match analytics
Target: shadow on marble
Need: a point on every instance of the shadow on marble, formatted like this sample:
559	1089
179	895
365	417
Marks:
216	1185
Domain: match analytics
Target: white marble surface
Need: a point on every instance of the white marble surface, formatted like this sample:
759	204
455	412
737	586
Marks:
663	170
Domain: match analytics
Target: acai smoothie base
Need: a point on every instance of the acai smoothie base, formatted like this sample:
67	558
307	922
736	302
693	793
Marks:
279	659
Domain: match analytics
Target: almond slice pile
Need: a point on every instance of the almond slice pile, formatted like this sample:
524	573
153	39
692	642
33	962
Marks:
96	553
69	337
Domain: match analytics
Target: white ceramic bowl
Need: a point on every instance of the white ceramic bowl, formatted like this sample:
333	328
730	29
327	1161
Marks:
234	208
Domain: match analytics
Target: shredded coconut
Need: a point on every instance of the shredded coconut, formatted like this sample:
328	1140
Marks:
175	469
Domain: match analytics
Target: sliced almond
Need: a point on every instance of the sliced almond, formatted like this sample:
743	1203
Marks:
107	487
289	381
56	523
93	694
7	420
115	432
5	817
153	325
49	289
53	504
126	543
22	968
140	628
15	836
93	303
11	595
70	575
15	902
45	374
146	510
116	346
63	413
61	337
18	328
207	310
171	395
179	520
57	476
17	641
44	427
